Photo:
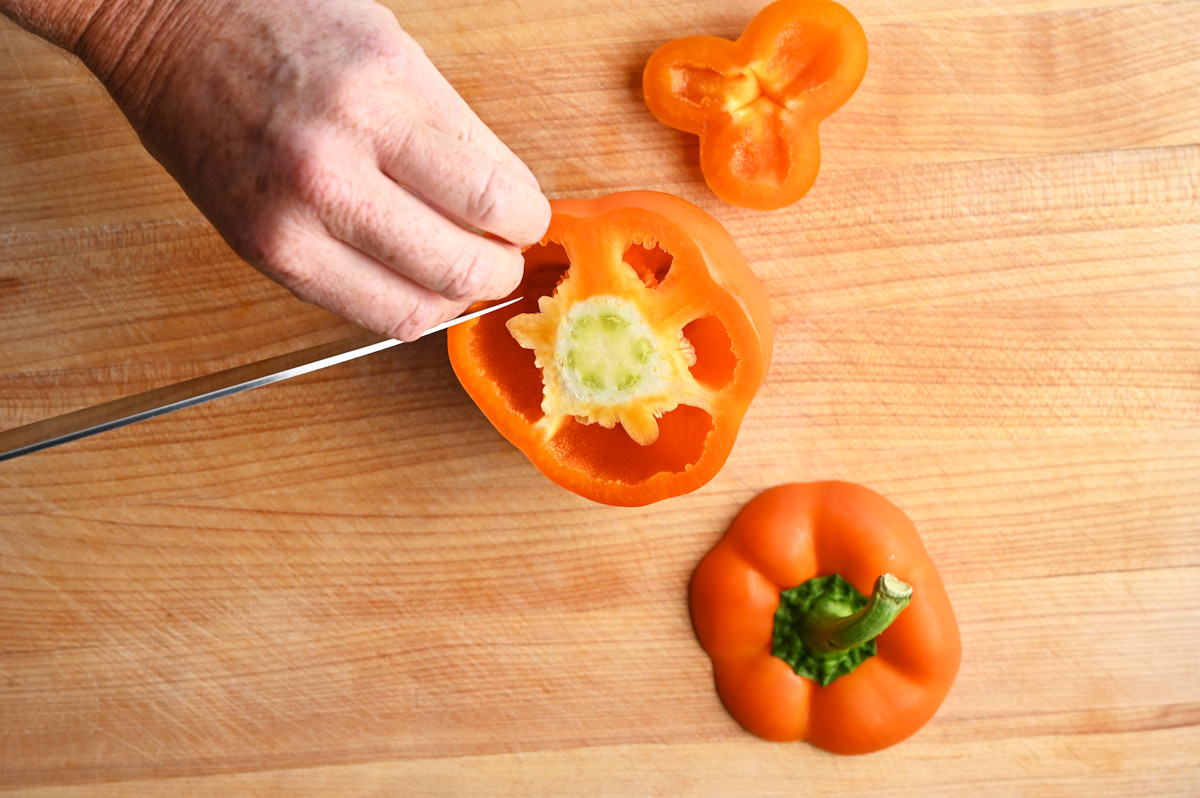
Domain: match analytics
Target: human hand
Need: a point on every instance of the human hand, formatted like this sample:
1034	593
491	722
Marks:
327	150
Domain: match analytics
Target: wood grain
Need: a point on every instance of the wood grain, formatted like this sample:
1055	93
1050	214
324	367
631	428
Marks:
988	309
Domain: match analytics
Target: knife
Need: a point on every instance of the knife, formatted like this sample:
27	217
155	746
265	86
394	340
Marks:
160	401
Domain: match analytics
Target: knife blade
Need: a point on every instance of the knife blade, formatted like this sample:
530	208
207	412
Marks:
156	402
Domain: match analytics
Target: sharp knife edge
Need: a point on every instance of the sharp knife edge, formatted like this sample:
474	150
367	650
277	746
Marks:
127	410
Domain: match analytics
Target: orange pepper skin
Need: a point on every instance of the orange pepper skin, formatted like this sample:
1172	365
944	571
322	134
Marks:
756	102
708	281
788	535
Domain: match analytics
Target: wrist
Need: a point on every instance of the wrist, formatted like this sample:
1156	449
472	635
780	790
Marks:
125	43
128	44
60	22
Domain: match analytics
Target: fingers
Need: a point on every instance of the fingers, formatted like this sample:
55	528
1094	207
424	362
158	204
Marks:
483	189
350	283
373	190
399	230
444	110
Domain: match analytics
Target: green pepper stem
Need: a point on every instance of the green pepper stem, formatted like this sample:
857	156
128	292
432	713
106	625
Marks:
828	631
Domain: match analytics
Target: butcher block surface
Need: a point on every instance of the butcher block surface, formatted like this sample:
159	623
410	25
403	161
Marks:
987	309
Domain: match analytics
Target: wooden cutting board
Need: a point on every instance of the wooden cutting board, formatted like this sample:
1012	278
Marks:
987	309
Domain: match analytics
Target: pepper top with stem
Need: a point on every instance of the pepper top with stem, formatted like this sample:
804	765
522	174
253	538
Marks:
794	534
824	628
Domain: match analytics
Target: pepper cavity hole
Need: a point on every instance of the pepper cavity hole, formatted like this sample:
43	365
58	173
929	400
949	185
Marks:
650	263
611	455
546	265
715	361
503	359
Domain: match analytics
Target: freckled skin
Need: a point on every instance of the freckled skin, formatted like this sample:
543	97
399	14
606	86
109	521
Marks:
322	144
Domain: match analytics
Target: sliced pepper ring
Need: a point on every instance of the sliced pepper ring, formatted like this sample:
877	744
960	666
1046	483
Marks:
626	369
756	102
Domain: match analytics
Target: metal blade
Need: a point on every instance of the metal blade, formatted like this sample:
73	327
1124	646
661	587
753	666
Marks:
160	401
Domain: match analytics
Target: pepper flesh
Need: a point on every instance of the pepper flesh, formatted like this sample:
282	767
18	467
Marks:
642	336
784	537
756	102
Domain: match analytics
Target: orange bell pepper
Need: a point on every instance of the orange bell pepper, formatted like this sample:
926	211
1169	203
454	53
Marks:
797	650
756	102
624	372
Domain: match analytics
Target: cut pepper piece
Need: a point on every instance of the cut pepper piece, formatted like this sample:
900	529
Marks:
640	341
756	102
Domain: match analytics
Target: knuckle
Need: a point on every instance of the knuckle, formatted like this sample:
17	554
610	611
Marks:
488	202
313	183
421	314
469	133
470	277
400	131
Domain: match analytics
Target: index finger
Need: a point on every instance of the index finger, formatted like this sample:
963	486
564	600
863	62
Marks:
467	184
